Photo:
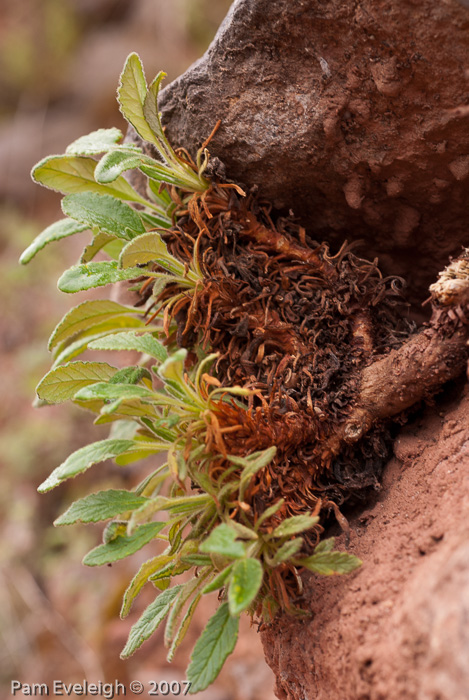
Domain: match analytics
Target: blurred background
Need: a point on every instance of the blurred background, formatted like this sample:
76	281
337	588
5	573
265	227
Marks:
59	66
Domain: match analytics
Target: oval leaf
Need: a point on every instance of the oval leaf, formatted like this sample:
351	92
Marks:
216	642
86	315
222	540
330	563
62	383
54	232
131	95
150	620
70	174
295	524
112	392
123	545
145	249
85	457
146	344
107	213
147	569
245	582
99	141
94	274
100	506
115	163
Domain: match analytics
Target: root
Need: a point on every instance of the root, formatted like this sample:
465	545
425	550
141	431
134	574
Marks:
418	368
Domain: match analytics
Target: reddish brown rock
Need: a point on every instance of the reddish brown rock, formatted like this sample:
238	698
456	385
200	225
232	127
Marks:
398	628
354	115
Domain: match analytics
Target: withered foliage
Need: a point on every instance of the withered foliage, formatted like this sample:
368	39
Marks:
296	325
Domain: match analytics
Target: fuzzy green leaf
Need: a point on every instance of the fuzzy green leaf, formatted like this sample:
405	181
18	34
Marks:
67	351
94	274
245	582
54	232
107	213
100	506
149	621
183	627
269	512
70	174
86	315
330	563
114	163
325	545
295	524
150	247
216	642
286	551
123	545
152	115
62	383
100	241
96	142
255	462
112	392
219	580
82	459
131	95
222	540
146	344
147	569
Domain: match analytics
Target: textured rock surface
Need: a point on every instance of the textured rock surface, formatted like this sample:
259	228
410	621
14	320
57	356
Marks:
353	114
398	629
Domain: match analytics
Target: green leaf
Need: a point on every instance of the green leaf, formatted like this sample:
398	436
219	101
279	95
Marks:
70	174
150	247
188	590
222	540
95	274
62	383
256	462
131	96
86	315
131	375
85	457
115	163
146	344
325	545
107	213
295	524
245	582
100	506
330	563
183	627
149	621
100	240
123	545
54	232
269	512
216	642
152	116
147	569
96	142
219	580
286	551
112	392
67	351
